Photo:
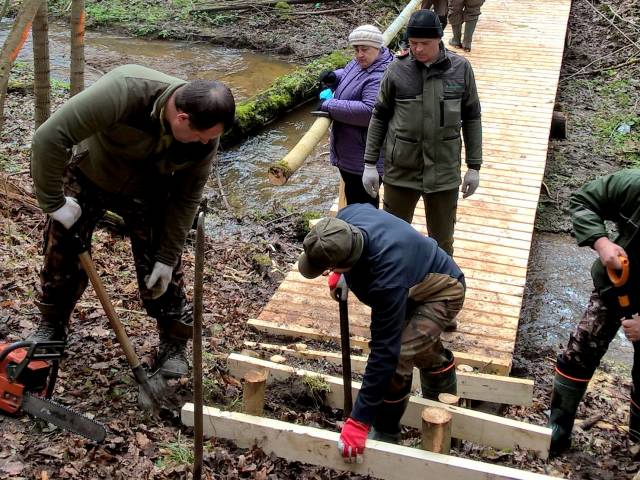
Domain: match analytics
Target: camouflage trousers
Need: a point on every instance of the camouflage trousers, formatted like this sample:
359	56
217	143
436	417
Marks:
464	10
62	278
590	340
434	304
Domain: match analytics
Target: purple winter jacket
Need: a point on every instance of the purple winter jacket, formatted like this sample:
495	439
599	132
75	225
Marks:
351	109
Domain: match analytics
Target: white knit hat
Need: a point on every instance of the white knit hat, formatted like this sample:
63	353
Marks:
368	35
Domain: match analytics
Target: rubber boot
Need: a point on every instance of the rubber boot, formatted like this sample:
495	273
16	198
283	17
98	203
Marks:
171	361
469	28
443	21
386	426
456	39
54	323
567	394
442	380
634	422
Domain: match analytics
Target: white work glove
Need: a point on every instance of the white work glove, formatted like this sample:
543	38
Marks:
159	279
470	182
371	179
68	214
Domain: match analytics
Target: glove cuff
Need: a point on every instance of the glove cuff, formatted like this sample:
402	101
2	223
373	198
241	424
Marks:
474	166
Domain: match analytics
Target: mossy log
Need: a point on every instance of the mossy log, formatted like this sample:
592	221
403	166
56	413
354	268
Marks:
280	172
286	93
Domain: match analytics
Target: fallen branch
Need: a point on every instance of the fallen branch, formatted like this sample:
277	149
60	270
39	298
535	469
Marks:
321	12
219	7
613	24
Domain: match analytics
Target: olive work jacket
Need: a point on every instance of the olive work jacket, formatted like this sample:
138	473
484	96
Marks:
616	198
419	113
125	147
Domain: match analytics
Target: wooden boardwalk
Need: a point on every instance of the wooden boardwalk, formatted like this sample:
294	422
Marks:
517	54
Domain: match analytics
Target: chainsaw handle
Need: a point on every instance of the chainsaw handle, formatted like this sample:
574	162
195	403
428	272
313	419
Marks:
619	280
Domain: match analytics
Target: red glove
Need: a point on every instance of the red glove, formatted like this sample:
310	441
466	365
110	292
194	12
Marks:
338	288
352	440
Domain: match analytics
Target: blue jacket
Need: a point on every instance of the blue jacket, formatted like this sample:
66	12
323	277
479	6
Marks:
351	108
395	257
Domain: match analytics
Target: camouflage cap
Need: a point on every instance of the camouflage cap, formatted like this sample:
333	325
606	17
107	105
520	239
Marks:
331	243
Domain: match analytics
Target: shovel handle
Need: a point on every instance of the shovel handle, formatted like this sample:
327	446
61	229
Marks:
619	280
116	325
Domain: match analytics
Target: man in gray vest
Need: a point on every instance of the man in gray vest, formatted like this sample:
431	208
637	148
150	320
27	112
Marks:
143	147
427	97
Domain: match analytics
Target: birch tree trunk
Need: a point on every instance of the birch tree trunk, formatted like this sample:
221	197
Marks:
77	46
13	44
41	67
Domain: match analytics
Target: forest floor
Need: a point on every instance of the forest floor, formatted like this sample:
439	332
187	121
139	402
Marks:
599	92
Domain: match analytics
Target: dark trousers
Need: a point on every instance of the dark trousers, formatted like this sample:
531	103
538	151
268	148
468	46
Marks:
439	208
63	280
354	190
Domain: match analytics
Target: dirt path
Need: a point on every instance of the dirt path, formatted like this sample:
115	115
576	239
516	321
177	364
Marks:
244	267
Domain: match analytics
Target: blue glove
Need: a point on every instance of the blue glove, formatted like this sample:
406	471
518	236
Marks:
326	94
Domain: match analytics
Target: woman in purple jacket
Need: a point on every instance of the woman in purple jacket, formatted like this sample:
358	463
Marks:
356	89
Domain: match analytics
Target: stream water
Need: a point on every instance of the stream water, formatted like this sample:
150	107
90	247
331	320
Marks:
558	282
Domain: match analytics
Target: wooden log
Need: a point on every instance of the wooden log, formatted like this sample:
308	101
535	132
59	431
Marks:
478	427
298	443
284	94
449	399
285	168
220	7
253	389
436	430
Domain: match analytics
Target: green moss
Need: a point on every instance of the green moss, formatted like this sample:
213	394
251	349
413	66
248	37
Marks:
317	387
261	260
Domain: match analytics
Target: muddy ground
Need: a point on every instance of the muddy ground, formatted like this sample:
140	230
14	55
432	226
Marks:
244	267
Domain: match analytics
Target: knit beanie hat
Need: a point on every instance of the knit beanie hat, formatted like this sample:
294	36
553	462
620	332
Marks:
424	24
368	35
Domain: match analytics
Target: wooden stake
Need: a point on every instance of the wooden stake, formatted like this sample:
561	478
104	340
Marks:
449	399
253	392
464	368
436	430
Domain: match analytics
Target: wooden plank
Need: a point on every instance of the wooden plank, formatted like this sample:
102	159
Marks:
478	427
498	365
471	385
298	443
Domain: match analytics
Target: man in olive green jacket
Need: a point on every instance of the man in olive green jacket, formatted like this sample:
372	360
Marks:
615	198
426	97
139	143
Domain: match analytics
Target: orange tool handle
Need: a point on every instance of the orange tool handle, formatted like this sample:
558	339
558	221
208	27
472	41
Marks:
619	280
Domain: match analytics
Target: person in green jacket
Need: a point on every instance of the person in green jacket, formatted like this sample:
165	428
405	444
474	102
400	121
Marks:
141	144
616	198
427	96
467	12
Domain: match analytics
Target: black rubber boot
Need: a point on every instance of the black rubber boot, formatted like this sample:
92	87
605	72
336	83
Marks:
386	426
442	380
443	21
456	39
469	28
54	323
567	394
634	422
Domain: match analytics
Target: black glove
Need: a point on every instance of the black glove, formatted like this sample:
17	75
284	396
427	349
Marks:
329	79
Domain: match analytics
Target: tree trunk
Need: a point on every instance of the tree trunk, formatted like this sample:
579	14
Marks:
41	67
13	44
286	93
77	46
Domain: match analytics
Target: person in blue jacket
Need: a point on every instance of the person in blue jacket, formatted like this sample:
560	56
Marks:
414	289
355	89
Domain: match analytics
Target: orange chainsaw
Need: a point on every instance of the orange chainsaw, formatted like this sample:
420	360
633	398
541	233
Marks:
28	372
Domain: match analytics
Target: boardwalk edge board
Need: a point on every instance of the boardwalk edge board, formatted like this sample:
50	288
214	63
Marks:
314	446
471	385
477	427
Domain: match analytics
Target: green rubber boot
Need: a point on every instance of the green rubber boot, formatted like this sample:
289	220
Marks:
567	394
54	323
455	40
386	426
469	28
